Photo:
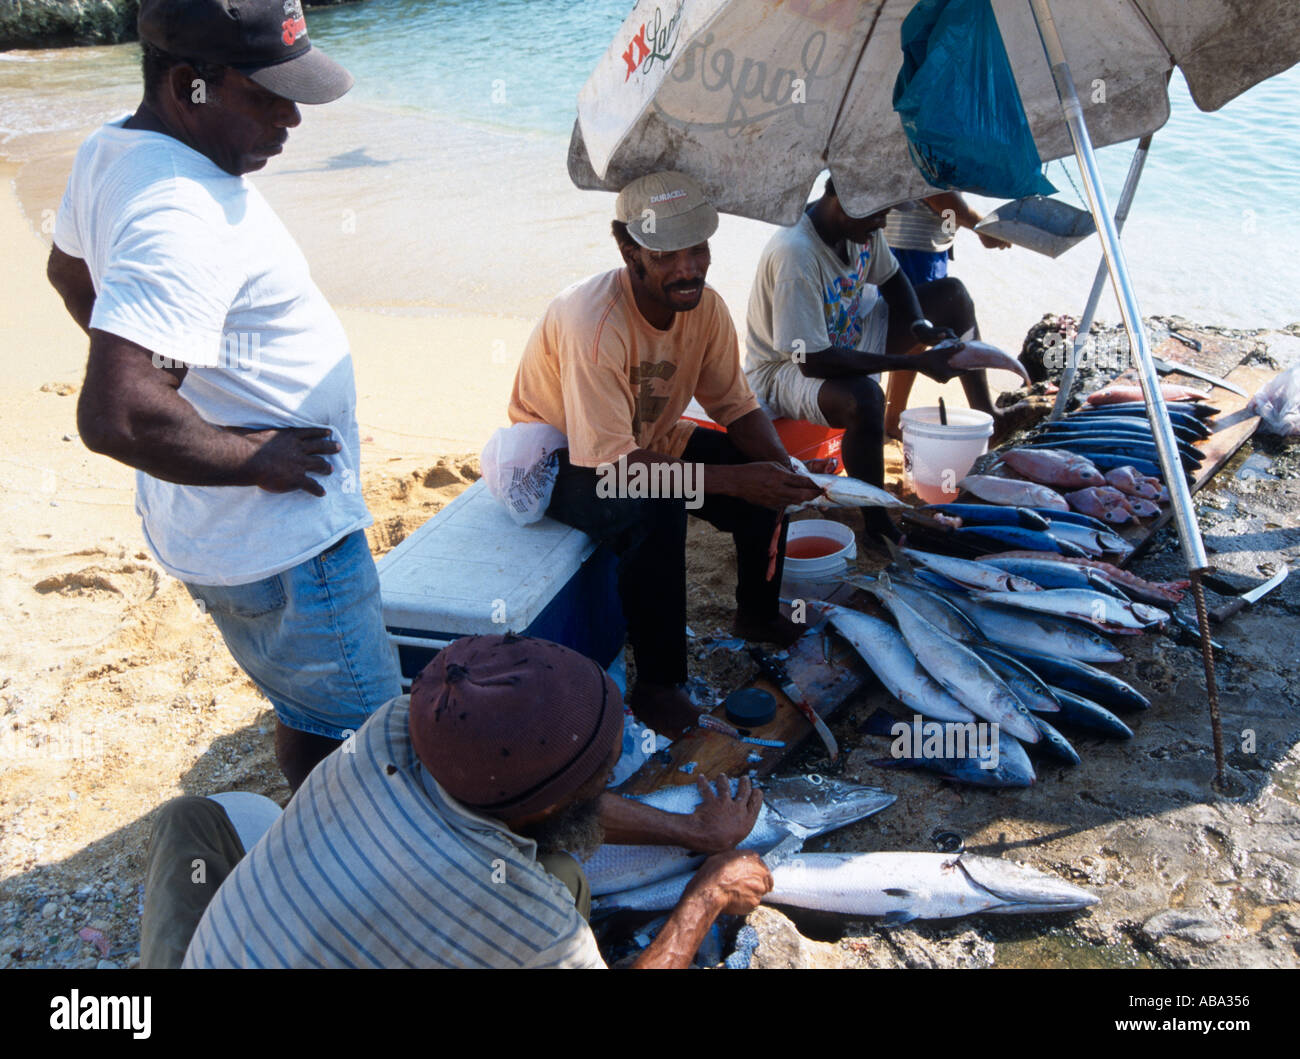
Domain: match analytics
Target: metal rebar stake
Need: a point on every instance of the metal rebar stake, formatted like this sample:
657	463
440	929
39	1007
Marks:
1211	686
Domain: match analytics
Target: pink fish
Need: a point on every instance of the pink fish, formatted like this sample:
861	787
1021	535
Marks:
1013	492
1101	502
1124	392
1130	482
1053	467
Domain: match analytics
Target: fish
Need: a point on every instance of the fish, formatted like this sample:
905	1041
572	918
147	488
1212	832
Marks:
886	654
990	515
841	491
1052	467
800	806
1108	440
1073	518
932	607
1081	679
956	753
899	886
1105	461
963	674
1086	714
1106	445
1027	684
1128	481
1108	504
1012	492
1195	409
999	538
968	573
1049	573
1055	743
1154	592
1097	609
976	354
1190	431
1010	627
1143	508
1129	393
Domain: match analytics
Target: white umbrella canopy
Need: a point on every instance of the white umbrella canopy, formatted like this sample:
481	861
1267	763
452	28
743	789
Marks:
754	98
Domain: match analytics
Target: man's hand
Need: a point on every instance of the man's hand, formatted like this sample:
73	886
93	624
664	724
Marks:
933	362
993	242
767	484
285	457
928	334
733	882
721	821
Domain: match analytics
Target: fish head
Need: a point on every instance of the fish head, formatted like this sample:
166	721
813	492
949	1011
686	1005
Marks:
1115	515
816	805
1022	889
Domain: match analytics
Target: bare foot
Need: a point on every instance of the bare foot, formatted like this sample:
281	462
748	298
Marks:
776	629
665	708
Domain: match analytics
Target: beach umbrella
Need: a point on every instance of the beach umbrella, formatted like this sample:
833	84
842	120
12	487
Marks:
754	98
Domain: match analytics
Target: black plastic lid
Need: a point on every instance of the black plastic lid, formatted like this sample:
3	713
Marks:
750	707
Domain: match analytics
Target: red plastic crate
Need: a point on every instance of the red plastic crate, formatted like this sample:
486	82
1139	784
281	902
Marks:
802	440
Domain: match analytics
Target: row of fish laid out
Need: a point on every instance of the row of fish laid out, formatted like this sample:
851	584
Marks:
981	648
899	886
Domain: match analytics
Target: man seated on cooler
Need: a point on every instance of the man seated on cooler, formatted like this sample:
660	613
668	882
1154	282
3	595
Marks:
612	365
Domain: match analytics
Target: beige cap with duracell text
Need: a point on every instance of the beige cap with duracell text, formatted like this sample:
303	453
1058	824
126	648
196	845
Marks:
666	211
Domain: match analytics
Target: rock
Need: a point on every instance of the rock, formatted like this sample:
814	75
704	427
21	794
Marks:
107	965
49	910
1174	922
781	946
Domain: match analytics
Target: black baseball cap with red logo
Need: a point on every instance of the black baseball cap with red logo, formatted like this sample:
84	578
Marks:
265	40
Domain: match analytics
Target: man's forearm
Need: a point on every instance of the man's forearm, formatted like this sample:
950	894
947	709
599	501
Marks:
627	823
755	436
677	943
900	296
840	362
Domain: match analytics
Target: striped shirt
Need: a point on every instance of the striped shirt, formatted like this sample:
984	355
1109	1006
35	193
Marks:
373	864
914	226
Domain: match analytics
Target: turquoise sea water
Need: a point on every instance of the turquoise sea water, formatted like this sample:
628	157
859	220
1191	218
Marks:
440	180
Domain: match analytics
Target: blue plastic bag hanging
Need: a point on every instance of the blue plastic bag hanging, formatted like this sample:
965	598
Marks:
959	104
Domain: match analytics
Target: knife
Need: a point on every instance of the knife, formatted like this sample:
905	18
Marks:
1165	367
775	672
1226	611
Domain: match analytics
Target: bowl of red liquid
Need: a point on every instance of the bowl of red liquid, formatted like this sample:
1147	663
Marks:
818	549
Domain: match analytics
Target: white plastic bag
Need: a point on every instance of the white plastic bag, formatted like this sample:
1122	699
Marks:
519	465
1278	402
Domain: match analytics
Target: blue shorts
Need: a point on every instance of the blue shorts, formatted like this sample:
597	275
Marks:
312	638
922	266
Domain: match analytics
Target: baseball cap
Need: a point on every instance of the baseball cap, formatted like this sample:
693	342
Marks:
265	40
666	211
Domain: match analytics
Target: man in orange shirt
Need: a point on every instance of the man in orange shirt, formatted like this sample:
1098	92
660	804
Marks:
612	365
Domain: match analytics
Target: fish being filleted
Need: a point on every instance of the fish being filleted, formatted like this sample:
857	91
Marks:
801	806
886	654
840	491
900	887
976	354
1080	604
963	674
1082	679
1012	492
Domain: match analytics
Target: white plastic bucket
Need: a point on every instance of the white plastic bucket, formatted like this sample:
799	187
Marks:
824	567
936	456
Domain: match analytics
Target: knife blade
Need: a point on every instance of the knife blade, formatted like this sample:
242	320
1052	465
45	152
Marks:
775	672
1166	367
1244	600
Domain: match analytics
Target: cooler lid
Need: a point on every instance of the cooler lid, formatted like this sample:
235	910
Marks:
471	564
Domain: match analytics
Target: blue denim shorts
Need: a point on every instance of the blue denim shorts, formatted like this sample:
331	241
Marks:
312	638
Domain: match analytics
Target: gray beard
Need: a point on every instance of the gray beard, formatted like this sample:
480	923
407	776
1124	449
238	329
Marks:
575	829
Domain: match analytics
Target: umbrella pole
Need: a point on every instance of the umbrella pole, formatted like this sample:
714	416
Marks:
1099	281
1180	494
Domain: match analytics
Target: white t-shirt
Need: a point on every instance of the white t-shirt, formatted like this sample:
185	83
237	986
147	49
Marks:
805	298
192	264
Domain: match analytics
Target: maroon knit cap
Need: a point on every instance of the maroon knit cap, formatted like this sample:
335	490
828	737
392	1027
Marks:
511	725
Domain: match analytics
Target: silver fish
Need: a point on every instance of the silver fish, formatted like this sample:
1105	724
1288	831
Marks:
932	607
963	674
899	886
840	491
970	574
885	651
803	806
1104	612
1013	492
1015	627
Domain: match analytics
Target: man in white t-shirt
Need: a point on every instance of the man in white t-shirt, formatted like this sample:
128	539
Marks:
828	311
218	370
